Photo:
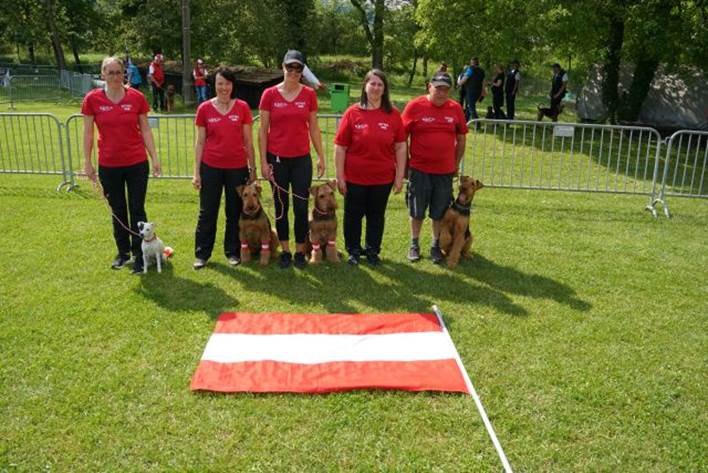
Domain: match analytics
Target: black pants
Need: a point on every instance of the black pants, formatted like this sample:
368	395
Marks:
115	181
213	181
497	104
555	105
158	94
370	202
510	106
295	174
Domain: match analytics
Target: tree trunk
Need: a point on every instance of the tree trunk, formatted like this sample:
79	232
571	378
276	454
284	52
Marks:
30	50
377	47
187	97
54	35
415	63
425	66
611	68
75	51
632	103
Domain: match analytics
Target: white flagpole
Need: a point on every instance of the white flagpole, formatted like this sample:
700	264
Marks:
477	400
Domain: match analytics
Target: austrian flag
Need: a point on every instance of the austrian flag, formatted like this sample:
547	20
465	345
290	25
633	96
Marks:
310	353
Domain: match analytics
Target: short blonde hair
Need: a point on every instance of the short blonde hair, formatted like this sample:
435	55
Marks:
110	59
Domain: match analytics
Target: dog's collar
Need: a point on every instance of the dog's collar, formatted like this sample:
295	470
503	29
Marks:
255	216
465	209
320	215
154	236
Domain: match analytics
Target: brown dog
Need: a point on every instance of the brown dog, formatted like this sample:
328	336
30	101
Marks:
170	97
455	234
551	113
255	232
323	223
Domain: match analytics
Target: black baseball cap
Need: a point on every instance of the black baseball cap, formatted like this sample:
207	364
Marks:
294	56
555	64
441	79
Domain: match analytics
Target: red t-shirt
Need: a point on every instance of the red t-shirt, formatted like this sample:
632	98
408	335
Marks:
433	131
120	142
289	132
224	146
370	137
199	76
157	73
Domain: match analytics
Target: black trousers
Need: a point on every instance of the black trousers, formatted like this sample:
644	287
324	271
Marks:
472	99
291	174
497	104
214	180
555	104
115	182
510	106
370	202
158	95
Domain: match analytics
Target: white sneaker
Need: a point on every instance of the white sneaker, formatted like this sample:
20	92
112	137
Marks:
234	260
199	263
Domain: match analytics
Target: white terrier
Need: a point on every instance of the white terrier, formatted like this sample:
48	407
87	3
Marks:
152	246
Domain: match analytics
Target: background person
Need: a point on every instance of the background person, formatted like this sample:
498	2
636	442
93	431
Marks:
224	160
134	79
156	79
370	155
559	84
199	73
288	114
511	87
437	127
120	114
474	83
498	92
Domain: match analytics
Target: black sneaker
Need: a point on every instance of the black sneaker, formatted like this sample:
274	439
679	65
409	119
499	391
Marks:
436	254
373	259
120	261
353	260
285	260
413	254
300	261
137	267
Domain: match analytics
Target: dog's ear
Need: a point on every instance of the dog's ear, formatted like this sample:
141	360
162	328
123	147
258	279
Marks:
333	184
478	184
313	191
259	189
239	190
141	225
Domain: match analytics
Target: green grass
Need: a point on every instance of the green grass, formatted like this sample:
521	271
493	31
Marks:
581	320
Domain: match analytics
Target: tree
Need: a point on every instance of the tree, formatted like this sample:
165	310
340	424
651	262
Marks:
375	37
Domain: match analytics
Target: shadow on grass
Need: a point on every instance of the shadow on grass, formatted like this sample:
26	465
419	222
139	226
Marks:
183	295
396	286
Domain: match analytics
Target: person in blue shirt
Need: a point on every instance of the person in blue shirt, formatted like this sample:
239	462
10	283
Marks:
134	78
473	81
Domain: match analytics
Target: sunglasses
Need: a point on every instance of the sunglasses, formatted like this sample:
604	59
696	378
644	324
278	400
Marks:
294	67
114	73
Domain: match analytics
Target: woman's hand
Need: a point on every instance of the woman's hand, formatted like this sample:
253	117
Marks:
266	171
197	181
156	169
90	171
252	175
342	186
398	185
320	166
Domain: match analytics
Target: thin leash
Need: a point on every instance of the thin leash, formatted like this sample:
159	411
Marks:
271	179
98	188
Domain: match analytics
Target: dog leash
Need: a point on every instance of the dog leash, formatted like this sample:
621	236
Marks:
98	188
271	179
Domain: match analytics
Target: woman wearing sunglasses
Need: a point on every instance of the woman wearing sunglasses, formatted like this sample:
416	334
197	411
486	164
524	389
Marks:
288	115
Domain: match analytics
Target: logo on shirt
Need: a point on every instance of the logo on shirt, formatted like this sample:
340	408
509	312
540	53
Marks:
383	125
300	104
449	119
280	104
361	126
233	118
428	119
126	107
105	108
214	120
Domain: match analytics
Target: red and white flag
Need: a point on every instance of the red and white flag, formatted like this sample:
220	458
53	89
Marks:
309	353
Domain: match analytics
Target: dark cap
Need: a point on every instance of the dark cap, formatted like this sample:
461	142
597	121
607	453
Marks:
555	64
293	56
441	78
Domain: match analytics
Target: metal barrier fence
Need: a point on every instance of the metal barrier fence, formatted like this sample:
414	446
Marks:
501	153
61	85
77	84
32	143
684	168
564	156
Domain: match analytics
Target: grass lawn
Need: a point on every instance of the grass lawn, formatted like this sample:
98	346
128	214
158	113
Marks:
581	320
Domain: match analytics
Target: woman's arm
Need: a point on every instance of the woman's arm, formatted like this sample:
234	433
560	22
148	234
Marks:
340	153
401	158
198	150
316	138
89	169
247	131
149	144
263	143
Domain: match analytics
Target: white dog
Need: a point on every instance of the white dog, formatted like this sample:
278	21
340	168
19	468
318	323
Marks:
153	248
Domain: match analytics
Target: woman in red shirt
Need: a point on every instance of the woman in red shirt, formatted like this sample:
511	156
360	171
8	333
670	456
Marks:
288	115
224	159
370	155
120	114
199	73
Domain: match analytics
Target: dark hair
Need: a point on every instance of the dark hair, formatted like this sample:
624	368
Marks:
385	99
228	74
